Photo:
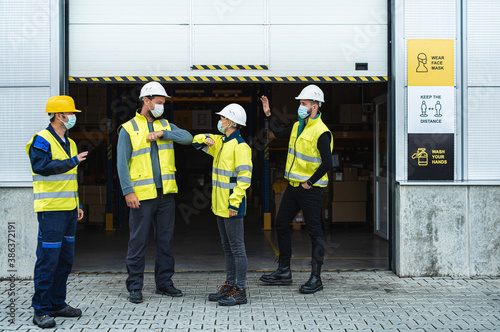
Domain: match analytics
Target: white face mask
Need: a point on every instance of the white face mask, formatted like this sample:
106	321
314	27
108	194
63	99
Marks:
71	121
157	111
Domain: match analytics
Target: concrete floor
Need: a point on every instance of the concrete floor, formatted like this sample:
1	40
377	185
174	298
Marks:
197	247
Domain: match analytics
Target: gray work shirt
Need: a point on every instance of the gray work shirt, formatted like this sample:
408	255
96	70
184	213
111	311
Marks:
124	152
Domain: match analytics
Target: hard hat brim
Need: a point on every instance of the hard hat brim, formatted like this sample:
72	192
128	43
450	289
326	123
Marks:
220	113
73	111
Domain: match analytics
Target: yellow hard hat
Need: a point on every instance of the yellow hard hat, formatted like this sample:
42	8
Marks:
60	104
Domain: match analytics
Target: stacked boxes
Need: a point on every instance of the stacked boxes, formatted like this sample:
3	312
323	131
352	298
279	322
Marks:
94	199
349	198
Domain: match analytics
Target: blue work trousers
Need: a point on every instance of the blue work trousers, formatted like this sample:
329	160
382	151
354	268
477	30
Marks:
55	252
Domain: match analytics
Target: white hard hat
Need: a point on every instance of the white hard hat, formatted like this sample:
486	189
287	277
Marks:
153	89
235	113
312	92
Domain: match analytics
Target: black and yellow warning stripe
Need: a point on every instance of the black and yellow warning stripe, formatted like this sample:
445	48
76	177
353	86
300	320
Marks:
230	79
230	67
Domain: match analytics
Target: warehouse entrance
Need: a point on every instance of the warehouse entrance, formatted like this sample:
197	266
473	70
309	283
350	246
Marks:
348	207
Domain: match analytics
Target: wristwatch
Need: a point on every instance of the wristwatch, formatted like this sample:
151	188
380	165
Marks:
309	183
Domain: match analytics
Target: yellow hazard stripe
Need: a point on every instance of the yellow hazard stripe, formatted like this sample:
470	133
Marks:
241	79
229	67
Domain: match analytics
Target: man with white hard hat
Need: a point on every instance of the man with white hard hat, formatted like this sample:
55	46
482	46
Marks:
146	168
54	163
308	161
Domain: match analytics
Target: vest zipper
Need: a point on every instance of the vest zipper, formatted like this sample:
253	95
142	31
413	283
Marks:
217	167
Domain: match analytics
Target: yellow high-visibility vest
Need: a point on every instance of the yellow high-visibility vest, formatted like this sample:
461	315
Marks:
303	157
58	192
140	166
231	172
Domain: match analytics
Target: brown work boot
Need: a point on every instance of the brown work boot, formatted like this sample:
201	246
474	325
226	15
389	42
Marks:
236	296
221	292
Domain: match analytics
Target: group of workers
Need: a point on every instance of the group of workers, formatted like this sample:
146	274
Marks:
146	170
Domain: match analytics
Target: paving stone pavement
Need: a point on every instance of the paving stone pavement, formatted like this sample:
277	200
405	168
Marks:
351	301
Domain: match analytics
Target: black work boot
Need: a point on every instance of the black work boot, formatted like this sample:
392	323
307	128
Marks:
283	275
44	321
221	292
314	283
135	296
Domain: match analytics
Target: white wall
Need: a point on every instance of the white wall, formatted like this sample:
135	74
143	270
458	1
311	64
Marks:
166	38
29	75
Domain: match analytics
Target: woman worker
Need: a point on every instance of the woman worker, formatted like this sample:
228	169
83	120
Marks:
231	177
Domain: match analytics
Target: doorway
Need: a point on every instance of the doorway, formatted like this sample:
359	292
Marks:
351	243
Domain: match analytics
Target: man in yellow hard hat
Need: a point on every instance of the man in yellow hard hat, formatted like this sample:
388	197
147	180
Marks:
54	162
146	168
309	159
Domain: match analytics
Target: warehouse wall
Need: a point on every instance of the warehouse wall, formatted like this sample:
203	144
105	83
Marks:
448	230
166	38
29	75
451	228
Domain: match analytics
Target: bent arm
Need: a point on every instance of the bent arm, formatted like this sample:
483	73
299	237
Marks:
326	157
41	159
279	131
124	152
177	135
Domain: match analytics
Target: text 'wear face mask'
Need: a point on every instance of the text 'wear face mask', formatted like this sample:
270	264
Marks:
71	121
302	112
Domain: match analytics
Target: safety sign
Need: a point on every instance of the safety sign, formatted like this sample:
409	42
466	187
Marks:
431	109
431	156
430	62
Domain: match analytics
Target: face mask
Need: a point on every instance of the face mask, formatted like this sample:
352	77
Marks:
71	121
157	111
219	127
303	112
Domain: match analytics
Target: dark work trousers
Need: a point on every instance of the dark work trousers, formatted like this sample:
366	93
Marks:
309	201
232	237
54	259
161	213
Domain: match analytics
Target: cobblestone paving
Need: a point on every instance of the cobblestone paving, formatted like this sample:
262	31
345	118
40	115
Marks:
351	301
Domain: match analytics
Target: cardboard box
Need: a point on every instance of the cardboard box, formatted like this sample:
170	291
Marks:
338	176
353	191
93	194
96	213
350	174
348	211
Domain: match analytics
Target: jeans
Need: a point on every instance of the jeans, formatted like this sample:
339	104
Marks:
232	237
160	212
309	201
55	252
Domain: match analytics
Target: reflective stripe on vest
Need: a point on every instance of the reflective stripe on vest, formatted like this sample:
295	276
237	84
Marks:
58	192
140	166
223	185
304	158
